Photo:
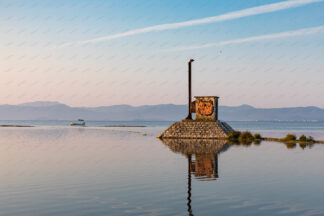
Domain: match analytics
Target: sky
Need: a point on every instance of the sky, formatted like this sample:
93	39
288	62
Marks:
97	53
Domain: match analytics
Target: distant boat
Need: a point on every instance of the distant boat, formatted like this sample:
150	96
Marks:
80	122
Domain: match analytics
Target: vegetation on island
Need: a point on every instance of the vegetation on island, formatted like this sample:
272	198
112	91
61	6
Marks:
291	138
246	138
257	136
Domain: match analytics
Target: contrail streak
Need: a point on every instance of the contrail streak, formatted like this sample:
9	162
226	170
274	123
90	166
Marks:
228	16
300	32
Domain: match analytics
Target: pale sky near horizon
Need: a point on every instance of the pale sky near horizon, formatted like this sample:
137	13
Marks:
94	53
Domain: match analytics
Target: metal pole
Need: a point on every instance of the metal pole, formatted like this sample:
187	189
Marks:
216	111
189	117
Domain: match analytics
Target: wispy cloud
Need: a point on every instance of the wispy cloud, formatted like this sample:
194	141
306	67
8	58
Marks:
228	16
300	32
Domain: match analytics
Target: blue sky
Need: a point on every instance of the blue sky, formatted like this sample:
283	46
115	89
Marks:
44	54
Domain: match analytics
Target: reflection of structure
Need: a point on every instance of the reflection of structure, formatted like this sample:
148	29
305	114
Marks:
205	165
196	146
203	154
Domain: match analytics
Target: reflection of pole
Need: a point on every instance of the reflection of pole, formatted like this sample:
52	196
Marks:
189	117
189	187
216	165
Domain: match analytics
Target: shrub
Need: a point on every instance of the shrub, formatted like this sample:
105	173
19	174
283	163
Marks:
303	138
234	135
246	137
257	136
310	139
290	137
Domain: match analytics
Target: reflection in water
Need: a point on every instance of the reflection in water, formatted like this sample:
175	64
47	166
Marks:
205	164
202	156
289	145
205	152
189	187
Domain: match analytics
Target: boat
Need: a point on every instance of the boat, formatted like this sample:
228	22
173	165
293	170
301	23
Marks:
80	122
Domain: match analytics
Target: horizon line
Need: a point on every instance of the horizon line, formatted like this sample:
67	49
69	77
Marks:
256	107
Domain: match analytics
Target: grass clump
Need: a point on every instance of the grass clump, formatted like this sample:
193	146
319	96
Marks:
233	136
310	139
246	137
257	136
290	137
303	138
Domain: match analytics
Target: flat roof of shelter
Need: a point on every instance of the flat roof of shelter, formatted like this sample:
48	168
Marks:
206	96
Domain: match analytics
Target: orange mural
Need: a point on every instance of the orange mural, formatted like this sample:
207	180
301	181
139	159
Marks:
205	108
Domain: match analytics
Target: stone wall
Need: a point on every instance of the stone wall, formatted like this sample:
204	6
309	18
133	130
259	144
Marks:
197	130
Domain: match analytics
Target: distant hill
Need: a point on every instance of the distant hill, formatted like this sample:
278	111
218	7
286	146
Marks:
42	110
40	104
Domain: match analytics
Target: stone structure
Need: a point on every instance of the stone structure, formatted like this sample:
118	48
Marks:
205	126
197	130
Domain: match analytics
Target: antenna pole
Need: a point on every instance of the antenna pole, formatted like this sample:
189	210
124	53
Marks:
189	117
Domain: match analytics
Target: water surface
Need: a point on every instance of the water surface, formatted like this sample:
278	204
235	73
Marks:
111	171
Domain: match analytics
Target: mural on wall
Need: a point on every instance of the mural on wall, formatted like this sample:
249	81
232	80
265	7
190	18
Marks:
206	108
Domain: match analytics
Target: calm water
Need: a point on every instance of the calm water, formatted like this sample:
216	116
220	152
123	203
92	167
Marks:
58	170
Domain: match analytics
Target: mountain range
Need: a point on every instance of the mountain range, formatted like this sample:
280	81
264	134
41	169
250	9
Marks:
43	110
